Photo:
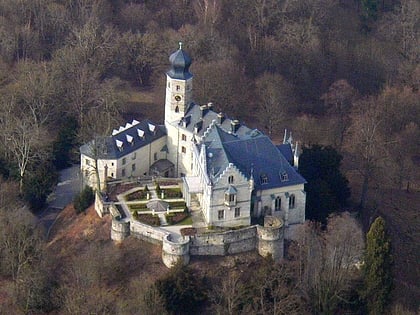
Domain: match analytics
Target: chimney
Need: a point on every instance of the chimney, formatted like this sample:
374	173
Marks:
234	124
220	118
203	110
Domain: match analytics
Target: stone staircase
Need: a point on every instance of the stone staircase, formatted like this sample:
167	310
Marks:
196	213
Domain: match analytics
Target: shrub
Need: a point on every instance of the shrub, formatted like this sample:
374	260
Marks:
177	204
182	290
158	189
138	195
148	219
174	218
84	199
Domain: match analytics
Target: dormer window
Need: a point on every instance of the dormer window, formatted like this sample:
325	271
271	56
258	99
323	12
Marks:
130	139
152	128
140	133
119	144
284	176
264	179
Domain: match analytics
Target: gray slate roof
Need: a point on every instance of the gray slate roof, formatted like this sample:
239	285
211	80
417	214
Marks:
253	154
198	118
180	64
107	147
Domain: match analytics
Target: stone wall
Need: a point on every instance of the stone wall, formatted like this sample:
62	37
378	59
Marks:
175	249
147	232
224	243
267	240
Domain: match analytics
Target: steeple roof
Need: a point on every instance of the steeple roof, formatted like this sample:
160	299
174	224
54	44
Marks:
180	64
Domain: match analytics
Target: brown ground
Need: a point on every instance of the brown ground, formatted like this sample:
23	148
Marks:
400	209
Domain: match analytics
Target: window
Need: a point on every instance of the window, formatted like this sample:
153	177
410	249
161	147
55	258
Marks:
229	198
124	161
221	214
230	179
133	156
292	201
178	87
86	173
277	204
155	156
169	84
177	109
183	149
87	162
123	172
133	167
112	174
112	164
264	178
284	177
237	212
184	137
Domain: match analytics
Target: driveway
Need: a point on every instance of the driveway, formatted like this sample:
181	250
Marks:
67	187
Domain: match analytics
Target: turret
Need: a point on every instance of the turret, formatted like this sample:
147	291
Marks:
178	86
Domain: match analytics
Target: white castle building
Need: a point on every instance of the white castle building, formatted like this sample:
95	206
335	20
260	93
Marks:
234	171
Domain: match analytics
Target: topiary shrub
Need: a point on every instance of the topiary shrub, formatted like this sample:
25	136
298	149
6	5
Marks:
84	199
158	189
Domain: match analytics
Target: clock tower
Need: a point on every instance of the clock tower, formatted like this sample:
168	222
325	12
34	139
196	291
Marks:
178	87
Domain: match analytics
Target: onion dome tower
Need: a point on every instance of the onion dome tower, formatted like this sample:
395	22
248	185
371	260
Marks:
178	86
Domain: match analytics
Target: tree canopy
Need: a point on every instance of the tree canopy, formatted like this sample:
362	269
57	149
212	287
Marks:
326	189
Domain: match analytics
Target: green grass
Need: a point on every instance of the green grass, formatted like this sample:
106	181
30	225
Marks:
186	221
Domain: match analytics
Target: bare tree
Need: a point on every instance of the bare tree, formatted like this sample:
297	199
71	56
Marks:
228	297
366	143
23	138
338	100
276	100
330	261
20	241
208	13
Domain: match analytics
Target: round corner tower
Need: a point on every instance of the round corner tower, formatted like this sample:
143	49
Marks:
271	238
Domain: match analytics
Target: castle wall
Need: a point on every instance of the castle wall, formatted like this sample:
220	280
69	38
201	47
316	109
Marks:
225	243
271	238
146	232
120	230
175	249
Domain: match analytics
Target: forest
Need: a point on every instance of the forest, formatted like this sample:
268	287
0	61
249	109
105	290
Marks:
342	75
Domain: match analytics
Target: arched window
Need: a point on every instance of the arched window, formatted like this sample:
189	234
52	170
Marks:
230	179
292	200
277	204
177	109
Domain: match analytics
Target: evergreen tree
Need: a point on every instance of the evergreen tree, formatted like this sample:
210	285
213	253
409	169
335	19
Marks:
377	268
327	189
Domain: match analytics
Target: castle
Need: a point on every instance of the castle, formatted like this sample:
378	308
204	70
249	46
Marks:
235	172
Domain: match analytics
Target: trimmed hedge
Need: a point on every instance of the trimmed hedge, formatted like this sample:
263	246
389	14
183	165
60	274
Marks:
148	219
177	204
174	218
138	206
137	195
